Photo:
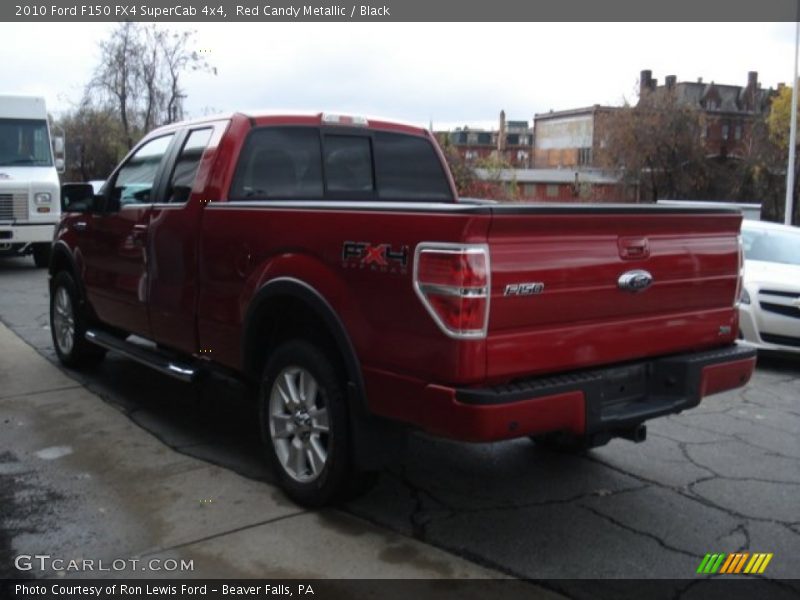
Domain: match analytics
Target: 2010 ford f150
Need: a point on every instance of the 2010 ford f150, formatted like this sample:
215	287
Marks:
328	261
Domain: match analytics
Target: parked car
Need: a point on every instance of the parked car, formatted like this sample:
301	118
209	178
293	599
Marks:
769	310
327	261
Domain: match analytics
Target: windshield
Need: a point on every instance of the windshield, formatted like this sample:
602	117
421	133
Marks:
24	142
772	246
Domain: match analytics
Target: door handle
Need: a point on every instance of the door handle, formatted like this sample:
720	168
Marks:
138	233
79	225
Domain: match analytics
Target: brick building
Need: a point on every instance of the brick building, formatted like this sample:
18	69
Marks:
569	138
511	141
729	110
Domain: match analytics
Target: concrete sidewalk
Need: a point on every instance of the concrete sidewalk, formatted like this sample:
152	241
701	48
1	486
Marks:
79	480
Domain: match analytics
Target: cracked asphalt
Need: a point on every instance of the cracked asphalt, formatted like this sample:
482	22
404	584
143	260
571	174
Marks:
724	477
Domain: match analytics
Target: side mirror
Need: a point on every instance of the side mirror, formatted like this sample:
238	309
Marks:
59	152
77	197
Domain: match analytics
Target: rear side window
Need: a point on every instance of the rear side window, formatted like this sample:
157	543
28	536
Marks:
180	184
348	164
280	163
408	168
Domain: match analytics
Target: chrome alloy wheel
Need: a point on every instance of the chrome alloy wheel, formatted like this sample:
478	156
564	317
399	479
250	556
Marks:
64	321
298	424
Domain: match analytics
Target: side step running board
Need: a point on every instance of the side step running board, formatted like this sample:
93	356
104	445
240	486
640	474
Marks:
146	356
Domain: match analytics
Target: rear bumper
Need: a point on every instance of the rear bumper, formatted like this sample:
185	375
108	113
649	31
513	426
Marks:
606	400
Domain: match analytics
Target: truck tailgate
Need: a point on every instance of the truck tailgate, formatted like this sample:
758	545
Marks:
580	316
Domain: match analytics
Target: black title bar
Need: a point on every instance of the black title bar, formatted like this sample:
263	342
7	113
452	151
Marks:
398	10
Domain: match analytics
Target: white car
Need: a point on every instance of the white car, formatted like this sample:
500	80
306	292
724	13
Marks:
769	310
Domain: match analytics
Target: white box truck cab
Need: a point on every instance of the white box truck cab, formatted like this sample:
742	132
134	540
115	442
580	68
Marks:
29	187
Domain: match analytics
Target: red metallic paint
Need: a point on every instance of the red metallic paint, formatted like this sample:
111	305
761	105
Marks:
206	260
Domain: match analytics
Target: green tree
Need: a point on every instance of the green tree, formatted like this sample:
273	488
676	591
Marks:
779	118
776	153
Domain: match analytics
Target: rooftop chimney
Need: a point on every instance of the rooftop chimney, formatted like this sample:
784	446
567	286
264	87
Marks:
669	81
699	80
645	81
752	79
501	134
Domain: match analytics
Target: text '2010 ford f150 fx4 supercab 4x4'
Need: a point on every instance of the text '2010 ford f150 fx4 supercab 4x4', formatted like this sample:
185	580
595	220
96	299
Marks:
328	261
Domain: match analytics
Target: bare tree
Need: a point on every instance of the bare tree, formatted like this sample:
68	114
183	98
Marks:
659	145
177	59
117	76
139	76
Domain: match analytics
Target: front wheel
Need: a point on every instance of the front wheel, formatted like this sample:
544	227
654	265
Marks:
68	325
304	424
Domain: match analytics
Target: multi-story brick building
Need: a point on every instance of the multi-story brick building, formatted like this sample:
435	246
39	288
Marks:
569	138
729	110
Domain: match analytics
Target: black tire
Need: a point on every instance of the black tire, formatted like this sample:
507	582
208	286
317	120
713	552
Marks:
41	255
79	353
288	428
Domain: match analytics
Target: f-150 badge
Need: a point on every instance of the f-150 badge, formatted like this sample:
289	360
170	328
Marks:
524	289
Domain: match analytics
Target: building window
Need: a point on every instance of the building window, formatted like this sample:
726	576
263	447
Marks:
522	156
737	132
523	140
529	190
552	190
725	131
472	138
471	155
584	156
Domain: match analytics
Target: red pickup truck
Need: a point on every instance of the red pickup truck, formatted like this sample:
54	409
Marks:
327	261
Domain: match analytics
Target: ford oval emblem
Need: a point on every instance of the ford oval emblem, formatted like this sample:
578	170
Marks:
635	281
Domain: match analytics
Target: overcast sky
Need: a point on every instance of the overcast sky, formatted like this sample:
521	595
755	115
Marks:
450	74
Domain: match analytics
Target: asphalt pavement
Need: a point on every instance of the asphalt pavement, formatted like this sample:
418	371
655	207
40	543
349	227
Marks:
724	477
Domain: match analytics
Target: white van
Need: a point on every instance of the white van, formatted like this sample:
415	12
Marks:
29	187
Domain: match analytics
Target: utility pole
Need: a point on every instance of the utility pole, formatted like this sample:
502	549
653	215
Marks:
790	168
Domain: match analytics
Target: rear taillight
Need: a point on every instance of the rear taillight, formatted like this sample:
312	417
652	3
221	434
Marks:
452	280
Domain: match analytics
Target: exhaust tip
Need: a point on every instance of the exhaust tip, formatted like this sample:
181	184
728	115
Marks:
636	434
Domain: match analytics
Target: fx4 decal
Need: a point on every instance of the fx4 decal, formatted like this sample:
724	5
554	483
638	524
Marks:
375	257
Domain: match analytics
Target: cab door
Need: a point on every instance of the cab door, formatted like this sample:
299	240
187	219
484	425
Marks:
173	239
116	269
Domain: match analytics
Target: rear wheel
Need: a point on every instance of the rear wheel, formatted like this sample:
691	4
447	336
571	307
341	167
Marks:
304	424
68	325
41	255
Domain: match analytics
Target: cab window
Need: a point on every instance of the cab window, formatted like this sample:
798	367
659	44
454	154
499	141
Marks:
135	180
183	174
281	163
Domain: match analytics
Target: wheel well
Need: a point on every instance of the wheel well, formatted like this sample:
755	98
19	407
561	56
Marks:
60	262
279	319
